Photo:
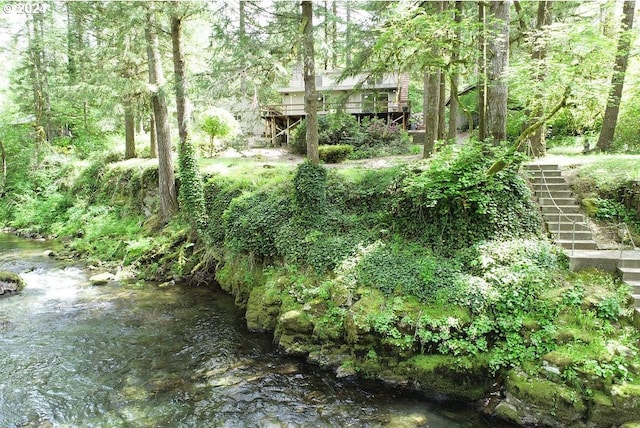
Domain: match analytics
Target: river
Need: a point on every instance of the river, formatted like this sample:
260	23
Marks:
75	355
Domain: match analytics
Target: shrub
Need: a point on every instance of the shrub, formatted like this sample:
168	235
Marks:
335	154
251	222
405	268
371	137
310	190
455	203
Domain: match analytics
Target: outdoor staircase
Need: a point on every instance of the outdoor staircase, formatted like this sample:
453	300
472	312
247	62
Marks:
570	230
629	269
559	208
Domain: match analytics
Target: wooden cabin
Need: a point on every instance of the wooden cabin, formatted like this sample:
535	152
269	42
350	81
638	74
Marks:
384	97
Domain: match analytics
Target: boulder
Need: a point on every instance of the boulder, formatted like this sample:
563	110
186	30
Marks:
49	253
10	283
102	278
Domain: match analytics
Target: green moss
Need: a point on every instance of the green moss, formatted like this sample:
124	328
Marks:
263	309
549	398
450	376
558	359
12	278
238	277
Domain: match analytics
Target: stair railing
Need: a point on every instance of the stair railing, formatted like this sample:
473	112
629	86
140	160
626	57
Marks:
543	181
627	233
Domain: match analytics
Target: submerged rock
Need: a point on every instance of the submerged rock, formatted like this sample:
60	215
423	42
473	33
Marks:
10	283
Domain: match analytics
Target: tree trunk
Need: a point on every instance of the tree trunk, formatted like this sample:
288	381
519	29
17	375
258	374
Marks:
153	143
430	114
310	94
442	97
610	120
482	73
334	35
454	80
192	193
3	157
242	39
431	98
166	177
536	141
129	129
497	63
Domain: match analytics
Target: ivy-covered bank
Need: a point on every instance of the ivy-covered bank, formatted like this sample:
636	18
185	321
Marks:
431	276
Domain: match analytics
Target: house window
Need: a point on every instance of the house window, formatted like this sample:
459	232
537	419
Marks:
324	102
318	80
368	104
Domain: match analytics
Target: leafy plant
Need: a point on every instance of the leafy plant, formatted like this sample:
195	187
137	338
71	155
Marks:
335	154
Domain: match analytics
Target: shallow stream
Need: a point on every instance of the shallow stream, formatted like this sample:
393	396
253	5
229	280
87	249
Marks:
73	355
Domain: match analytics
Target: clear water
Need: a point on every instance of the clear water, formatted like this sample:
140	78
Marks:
73	355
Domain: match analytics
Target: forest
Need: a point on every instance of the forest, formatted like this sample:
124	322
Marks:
400	241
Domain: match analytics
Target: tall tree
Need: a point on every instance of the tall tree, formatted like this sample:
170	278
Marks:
455	75
310	93
191	191
497	63
610	119
482	71
536	143
166	176
432	102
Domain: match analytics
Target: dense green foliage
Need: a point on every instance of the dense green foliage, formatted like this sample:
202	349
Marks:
191	193
608	189
369	137
335	154
454	202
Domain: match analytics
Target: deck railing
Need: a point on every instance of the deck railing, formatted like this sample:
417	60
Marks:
351	107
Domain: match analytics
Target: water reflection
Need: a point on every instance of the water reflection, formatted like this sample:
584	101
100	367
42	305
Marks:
138	356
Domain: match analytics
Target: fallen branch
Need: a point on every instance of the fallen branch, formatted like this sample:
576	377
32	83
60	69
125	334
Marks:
501	164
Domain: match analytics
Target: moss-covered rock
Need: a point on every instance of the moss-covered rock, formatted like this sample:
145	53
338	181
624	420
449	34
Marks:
446	376
238	276
296	344
263	309
542	402
10	283
296	321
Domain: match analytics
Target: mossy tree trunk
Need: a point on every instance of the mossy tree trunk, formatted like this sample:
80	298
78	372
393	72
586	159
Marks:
166	177
455	76
536	144
191	190
129	129
497	63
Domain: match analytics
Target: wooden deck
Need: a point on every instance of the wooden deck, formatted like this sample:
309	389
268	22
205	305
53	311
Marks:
281	119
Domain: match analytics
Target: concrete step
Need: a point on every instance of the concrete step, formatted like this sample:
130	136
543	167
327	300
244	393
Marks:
567	209
558	201
630	263
635	286
564	217
581	235
548	180
550	187
578	245
546	173
537	167
553	226
629	274
636	299
553	193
